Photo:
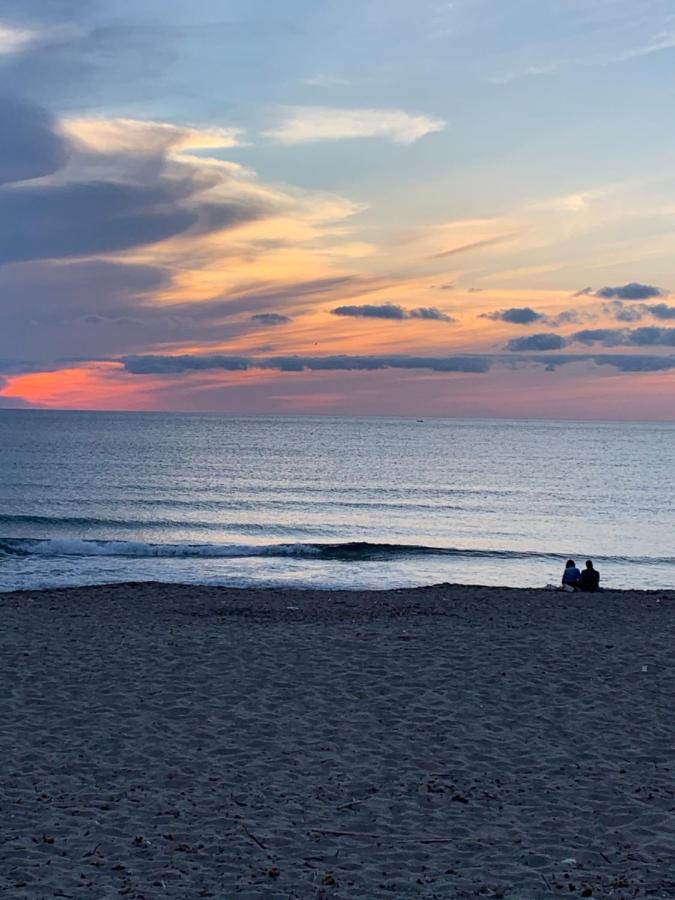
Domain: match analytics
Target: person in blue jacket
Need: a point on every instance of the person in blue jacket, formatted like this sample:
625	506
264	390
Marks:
571	575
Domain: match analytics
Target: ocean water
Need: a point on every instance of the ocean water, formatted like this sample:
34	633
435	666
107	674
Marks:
88	498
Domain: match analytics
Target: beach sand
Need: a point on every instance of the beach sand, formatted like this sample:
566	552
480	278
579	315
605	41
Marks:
182	742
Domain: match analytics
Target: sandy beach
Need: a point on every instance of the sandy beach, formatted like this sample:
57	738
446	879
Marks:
450	742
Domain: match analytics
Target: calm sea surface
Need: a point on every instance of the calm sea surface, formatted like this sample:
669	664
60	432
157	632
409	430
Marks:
88	498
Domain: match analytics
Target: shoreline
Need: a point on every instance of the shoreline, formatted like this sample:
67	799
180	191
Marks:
310	591
165	740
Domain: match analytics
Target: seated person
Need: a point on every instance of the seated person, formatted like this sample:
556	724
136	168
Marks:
589	579
571	575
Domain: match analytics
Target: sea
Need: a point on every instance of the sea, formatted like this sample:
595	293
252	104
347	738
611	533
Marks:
322	502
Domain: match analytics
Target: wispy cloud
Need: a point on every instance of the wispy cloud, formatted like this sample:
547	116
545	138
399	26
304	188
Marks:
310	124
322	81
663	40
147	137
13	40
474	245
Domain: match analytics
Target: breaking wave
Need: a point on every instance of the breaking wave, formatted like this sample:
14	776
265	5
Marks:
354	551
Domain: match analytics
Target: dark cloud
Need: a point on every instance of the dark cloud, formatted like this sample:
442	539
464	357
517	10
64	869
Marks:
567	317
84	218
661	311
544	341
72	61
108	308
651	335
176	365
632	291
647	336
430	312
517	315
610	337
270	319
29	146
171	365
637	363
45	290
49	307
584	292
369	311
525	315
622	313
391	311
93	211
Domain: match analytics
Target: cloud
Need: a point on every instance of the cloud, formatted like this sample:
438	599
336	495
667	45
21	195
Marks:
369	311
651	335
391	311
105	201
518	315
467	364
622	313
631	291
109	308
326	81
664	39
473	245
610	337
661	311
149	138
566	317
430	313
621	362
13	40
124	191
270	319
171	365
545	341
647	336
309	124
29	145
79	219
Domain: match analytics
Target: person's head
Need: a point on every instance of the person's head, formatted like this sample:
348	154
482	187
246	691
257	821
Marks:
570	564
589	564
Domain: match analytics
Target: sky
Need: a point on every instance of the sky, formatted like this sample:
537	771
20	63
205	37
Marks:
370	207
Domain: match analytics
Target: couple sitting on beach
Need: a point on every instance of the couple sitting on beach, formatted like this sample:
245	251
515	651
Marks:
588	580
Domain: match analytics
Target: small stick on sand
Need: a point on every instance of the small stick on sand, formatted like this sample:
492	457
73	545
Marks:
253	837
380	837
352	803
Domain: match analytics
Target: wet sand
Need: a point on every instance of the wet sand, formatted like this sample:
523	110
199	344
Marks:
181	742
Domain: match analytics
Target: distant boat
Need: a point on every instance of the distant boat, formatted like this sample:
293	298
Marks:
420	420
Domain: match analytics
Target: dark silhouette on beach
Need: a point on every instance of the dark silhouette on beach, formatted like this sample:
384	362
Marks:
589	579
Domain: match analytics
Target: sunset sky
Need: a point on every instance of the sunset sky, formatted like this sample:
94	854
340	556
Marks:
339	206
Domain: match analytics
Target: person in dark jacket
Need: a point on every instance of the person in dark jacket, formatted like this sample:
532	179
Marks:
589	579
571	575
